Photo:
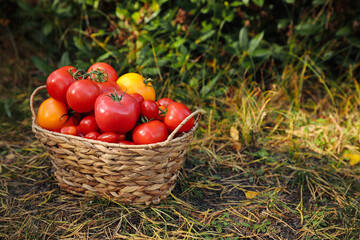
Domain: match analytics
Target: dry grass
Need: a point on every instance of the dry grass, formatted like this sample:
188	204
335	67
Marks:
256	170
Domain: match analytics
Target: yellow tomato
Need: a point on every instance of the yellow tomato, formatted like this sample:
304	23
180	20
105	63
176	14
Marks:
135	83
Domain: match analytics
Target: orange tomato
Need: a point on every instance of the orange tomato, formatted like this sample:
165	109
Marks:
53	115
135	83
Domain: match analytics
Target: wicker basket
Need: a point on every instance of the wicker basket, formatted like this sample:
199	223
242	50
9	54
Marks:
127	173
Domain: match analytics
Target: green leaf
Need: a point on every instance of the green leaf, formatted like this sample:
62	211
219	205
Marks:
65	59
289	1
236	3
319	2
254	43
121	13
205	36
47	28
343	32
41	65
243	38
260	3
103	57
210	85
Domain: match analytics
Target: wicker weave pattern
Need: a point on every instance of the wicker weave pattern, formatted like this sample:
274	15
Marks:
128	173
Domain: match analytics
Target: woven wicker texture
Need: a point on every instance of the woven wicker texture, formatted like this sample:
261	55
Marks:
128	173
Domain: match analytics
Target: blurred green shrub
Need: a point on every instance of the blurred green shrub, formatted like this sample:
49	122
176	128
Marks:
204	46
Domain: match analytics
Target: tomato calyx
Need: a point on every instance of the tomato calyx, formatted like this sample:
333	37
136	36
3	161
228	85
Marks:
115	97
70	113
162	111
145	119
78	74
147	81
98	75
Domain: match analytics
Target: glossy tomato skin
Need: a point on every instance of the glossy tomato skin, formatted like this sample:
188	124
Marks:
150	132
138	97
116	116
125	142
176	113
81	95
70	130
164	102
149	109
135	83
121	136
59	81
108	86
110	73
92	135
109	137
88	124
52	115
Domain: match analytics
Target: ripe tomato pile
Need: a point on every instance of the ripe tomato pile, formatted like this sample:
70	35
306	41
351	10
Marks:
97	104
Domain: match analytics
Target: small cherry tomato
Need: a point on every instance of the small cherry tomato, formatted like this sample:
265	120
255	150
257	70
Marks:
125	142
149	109
164	102
81	95
138	97
88	124
92	135
121	136
70	130
176	113
150	132
109	137
78	131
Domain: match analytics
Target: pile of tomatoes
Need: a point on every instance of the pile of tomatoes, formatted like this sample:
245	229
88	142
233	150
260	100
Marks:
97	104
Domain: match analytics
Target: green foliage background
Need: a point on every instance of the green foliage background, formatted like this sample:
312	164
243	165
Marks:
204	46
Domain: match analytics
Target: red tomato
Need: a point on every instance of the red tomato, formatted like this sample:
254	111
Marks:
164	102
116	113
109	137
150	132
125	142
79	132
71	130
54	114
176	113
81	95
92	135
138	97
109	73
88	124
59	81
108	86
121	136
149	109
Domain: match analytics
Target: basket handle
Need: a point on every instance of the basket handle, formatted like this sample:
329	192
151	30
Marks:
171	136
32	99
